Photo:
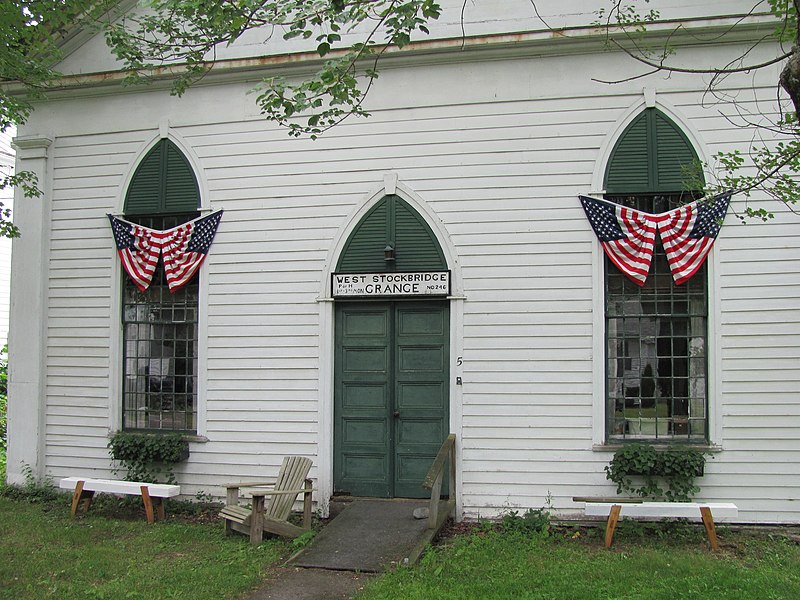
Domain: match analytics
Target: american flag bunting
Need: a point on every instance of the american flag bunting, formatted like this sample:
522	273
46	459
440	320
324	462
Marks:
183	247
138	250
688	232
186	247
627	236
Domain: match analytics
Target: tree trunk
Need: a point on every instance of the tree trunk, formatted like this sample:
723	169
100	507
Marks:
790	76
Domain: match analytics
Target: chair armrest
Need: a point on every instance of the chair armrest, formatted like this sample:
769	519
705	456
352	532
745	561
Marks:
281	492
242	484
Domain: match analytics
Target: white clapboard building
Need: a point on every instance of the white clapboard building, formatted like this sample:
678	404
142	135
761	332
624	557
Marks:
424	271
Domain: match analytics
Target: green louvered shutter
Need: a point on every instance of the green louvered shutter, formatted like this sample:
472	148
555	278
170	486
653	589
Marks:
652	155
164	183
415	246
675	155
391	222
144	192
628	170
363	252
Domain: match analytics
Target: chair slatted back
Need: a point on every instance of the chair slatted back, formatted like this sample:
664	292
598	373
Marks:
293	473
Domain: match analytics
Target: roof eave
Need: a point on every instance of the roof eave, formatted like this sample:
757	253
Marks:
575	40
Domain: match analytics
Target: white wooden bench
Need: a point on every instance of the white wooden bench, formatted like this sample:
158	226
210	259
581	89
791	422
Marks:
706	511
153	494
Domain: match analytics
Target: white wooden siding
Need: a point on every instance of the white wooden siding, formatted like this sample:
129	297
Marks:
500	160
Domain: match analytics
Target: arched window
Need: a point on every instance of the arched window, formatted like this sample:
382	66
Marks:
656	359
159	327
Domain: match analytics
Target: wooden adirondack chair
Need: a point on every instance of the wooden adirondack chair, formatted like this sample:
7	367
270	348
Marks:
271	517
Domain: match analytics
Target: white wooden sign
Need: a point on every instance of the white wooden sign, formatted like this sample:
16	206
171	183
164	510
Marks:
377	285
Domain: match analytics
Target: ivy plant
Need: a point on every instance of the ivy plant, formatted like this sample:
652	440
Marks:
644	471
148	456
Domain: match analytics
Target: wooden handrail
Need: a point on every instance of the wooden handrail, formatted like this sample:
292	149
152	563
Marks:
448	445
433	480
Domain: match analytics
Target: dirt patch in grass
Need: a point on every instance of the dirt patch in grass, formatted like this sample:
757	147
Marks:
130	508
122	508
733	540
580	533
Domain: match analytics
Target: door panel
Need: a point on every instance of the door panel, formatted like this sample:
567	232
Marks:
391	395
362	429
421	392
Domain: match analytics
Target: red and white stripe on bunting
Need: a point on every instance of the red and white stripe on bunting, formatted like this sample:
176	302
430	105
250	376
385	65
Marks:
689	232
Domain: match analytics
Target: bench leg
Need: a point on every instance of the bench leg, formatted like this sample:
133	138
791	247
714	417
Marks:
611	525
81	496
708	522
148	504
87	500
158	504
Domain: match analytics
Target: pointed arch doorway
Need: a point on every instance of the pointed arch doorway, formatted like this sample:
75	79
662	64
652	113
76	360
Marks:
391	359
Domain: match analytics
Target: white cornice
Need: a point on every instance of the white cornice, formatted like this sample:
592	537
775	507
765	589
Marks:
575	40
31	146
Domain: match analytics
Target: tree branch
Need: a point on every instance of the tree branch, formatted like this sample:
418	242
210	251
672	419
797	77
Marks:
660	66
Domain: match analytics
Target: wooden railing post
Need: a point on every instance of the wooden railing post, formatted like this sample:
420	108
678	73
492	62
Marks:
307	504
433	481
436	494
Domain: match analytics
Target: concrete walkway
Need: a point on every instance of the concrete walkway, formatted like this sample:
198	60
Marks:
369	536
366	538
296	583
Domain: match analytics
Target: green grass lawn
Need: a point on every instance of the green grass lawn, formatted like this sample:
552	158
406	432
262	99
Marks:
645	563
113	553
44	553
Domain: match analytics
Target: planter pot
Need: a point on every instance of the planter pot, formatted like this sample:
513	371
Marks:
184	453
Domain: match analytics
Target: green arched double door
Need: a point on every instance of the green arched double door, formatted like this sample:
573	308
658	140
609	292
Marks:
392	363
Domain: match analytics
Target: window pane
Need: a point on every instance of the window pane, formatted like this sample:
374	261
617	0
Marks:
656	360
160	350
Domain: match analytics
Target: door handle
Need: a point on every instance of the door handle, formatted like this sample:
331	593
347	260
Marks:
396	414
